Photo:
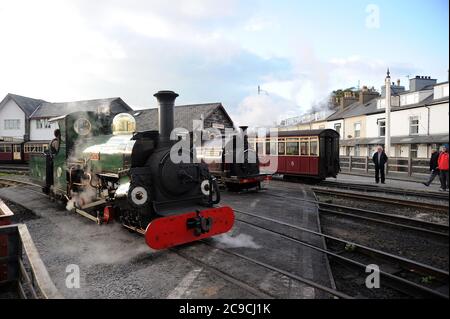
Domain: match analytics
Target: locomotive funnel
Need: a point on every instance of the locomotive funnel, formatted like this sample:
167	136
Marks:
166	100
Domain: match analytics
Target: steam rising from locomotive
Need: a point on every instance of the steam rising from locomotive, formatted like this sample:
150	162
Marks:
106	170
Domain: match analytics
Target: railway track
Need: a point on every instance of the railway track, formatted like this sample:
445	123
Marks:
384	200
384	190
396	282
394	220
369	189
399	283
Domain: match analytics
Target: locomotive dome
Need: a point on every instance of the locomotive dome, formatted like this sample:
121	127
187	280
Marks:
123	123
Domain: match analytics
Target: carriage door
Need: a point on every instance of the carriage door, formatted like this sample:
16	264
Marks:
17	152
329	154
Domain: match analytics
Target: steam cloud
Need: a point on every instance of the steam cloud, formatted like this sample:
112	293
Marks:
240	241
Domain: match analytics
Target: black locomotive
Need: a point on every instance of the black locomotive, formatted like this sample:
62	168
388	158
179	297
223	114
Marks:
133	177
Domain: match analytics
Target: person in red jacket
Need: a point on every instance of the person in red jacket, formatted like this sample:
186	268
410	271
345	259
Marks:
443	163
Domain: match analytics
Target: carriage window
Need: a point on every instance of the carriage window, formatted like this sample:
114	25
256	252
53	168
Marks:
304	147
5	148
273	148
267	148
314	150
292	147
260	146
281	148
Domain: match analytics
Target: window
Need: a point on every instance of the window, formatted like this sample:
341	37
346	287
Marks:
414	125
314	147
5	148
381	128
357	128
292	147
271	147
35	148
260	147
358	150
304	147
413	151
43	123
281	147
337	128
12	124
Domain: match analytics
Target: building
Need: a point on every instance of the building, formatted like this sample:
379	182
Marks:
25	126
15	112
213	115
419	120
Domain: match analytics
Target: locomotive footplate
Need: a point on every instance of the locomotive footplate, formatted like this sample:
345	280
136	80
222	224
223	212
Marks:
166	232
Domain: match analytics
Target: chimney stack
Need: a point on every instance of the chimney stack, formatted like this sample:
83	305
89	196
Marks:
166	100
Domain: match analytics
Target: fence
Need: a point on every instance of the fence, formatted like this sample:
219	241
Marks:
399	165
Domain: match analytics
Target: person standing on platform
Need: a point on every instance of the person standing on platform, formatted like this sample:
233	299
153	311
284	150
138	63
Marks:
433	167
380	159
443	163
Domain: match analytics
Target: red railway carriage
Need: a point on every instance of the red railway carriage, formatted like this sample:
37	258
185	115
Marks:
11	152
310	153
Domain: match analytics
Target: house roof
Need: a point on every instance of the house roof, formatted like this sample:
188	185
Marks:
48	110
414	139
184	115
358	109
27	105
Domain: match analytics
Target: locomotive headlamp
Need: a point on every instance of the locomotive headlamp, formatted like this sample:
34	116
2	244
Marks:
123	123
139	195
205	187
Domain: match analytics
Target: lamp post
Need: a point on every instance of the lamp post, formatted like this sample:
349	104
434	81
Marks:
387	139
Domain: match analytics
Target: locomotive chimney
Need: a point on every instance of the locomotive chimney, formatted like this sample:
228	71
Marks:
166	100
245	137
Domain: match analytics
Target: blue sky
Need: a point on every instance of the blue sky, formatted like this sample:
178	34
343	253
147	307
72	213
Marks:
207	50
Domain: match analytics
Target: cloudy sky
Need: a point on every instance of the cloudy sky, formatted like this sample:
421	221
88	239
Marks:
211	50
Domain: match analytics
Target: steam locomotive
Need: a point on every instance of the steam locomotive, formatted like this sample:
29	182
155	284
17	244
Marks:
233	162
106	171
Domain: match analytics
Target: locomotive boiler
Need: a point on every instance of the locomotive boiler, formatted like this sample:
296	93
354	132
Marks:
104	170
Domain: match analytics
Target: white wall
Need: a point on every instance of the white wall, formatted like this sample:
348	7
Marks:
439	118
372	124
441	91
400	121
11	111
330	125
42	134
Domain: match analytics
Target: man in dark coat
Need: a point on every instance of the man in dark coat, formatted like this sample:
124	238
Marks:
433	167
379	159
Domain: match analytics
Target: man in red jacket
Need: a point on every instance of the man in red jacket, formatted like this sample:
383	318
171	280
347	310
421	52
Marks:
443	163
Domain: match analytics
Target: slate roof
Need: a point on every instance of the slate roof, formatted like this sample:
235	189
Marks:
414	139
26	104
49	110
358	109
147	119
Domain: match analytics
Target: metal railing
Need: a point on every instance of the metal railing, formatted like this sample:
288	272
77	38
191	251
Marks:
20	264
399	165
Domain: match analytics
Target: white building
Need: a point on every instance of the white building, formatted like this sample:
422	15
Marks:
419	121
24	122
